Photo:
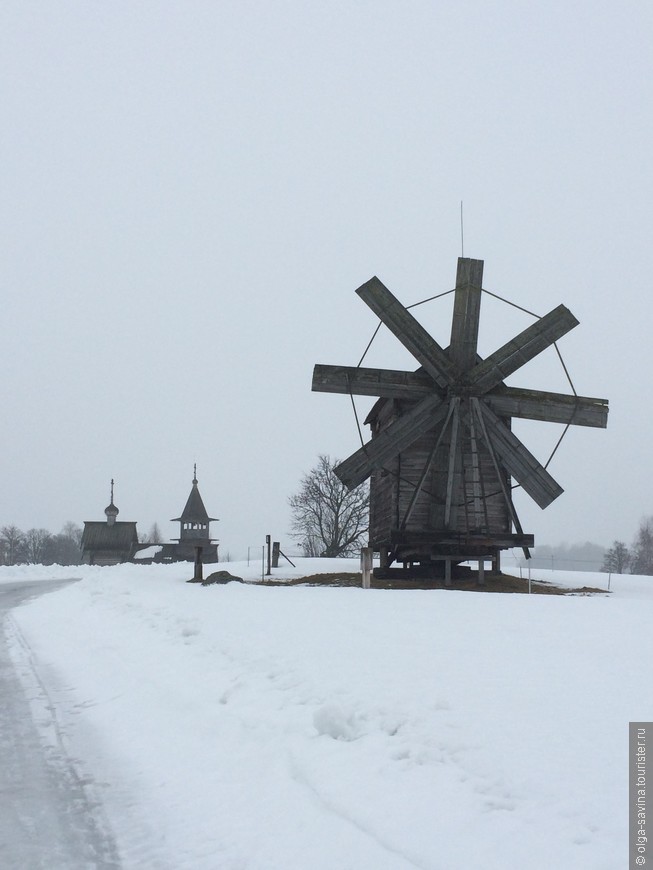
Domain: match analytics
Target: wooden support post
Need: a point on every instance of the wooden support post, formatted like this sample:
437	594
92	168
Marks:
384	559
447	572
366	566
267	545
481	571
198	576
276	549
496	562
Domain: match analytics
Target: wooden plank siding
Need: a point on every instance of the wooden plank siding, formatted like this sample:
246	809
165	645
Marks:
389	442
392	490
468	514
384	482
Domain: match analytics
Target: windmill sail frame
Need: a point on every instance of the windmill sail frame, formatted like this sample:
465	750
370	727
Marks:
442	454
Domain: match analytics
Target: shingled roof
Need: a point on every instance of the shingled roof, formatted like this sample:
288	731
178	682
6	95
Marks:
194	512
118	537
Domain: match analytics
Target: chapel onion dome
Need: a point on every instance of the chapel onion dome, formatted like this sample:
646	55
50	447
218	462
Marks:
111	511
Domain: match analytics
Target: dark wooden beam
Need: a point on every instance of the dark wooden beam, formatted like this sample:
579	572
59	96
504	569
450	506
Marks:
551	407
455	462
409	331
499	471
479	511
519	461
466	313
387	383
524	347
401	537
392	440
453	409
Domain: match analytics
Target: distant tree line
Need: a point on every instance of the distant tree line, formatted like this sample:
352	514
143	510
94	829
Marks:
638	559
567	557
40	547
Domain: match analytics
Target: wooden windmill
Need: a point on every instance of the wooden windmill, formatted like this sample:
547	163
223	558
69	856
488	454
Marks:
442	453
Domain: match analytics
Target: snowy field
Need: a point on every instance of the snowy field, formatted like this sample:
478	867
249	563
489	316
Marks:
240	727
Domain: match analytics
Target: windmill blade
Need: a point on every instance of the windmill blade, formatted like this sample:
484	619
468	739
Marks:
551	407
392	440
387	383
409	331
466	313
500	475
524	347
519	461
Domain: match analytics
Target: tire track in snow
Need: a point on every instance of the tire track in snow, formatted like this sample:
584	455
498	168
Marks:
300	777
50	819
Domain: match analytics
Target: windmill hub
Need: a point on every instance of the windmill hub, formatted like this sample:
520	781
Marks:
443	453
460	389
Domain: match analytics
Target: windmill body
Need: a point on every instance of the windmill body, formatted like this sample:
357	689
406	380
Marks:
442	456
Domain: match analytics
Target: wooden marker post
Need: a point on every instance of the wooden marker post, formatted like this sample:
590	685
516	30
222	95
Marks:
366	566
198	576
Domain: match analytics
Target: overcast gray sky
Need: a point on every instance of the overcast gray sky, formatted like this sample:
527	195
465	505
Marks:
192	191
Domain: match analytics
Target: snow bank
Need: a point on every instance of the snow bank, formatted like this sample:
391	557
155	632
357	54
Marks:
249	571
270	728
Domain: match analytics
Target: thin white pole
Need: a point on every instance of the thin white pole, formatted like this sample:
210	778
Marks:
366	566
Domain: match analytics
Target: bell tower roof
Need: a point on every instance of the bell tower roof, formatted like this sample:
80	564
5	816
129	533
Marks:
194	511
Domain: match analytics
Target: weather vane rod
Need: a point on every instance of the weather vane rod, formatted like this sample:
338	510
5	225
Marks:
462	237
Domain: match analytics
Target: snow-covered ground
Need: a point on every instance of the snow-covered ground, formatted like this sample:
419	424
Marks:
308	728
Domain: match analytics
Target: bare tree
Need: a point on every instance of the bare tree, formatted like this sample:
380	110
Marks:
617	559
328	519
65	548
153	536
642	551
36	544
72	531
12	541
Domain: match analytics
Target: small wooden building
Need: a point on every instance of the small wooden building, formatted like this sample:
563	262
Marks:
109	542
194	527
194	532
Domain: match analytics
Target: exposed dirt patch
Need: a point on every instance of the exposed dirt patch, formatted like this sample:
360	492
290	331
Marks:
493	583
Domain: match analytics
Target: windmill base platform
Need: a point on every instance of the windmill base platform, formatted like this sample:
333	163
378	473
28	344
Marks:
430	571
439	555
